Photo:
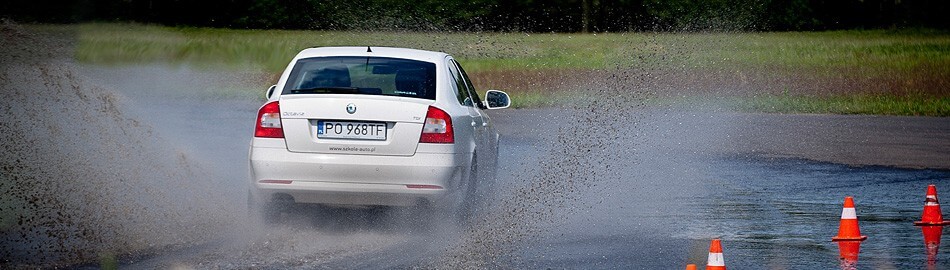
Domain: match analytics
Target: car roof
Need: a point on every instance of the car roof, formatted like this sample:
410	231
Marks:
404	53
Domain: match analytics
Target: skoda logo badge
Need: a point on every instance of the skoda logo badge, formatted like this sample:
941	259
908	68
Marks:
351	108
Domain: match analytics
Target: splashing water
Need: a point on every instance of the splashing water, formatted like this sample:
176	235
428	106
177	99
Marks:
79	178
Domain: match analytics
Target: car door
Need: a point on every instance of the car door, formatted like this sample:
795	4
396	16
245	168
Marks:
469	103
479	118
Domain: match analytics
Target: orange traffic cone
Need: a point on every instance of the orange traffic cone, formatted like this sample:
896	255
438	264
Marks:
848	230
715	261
690	267
848	254
932	241
932	215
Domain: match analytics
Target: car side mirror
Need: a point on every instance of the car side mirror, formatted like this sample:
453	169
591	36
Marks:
495	99
270	91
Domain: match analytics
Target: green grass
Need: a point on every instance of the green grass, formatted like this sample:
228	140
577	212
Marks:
521	100
271	49
918	61
856	104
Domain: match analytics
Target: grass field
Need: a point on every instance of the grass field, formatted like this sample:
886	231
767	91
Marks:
904	72
855	104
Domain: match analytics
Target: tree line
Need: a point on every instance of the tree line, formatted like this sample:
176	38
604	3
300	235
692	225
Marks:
497	15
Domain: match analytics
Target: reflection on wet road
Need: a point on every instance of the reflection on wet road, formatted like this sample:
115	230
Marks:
770	213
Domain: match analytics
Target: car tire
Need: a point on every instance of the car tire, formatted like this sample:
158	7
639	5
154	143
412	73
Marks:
469	205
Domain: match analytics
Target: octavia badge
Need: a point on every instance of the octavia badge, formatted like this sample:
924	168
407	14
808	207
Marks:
351	108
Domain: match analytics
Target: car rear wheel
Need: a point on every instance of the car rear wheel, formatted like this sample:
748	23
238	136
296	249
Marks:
469	205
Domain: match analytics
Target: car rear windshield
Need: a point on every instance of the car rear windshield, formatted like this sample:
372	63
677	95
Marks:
362	75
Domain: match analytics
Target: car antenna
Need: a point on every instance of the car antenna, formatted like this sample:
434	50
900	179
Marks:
368	49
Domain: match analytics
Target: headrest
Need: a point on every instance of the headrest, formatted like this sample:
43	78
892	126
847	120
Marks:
334	76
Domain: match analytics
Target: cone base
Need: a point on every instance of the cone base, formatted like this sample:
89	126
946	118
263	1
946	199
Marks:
922	223
853	238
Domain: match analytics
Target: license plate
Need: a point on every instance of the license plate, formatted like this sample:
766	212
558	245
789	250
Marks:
351	130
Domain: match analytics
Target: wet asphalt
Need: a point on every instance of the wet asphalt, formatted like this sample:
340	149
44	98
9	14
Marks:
669	180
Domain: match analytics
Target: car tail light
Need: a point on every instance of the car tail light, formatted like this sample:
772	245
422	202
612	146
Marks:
268	121
437	128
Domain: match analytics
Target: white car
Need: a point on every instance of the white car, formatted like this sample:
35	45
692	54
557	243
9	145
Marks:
372	126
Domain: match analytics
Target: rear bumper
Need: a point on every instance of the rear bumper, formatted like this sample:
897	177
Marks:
352	179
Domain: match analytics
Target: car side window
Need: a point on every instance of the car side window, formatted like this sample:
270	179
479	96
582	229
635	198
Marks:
471	88
461	89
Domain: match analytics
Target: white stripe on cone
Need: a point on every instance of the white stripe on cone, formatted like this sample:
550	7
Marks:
848	213
931	201
715	259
